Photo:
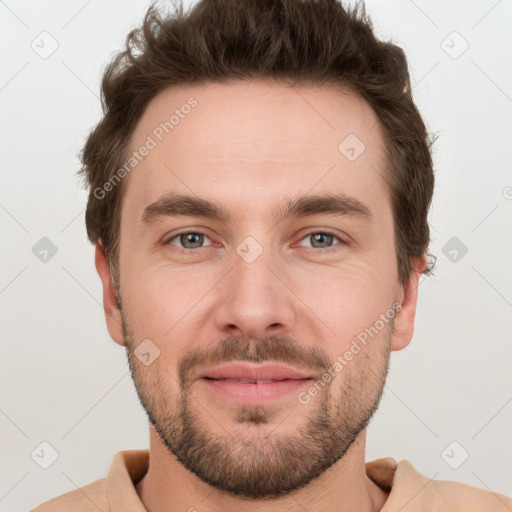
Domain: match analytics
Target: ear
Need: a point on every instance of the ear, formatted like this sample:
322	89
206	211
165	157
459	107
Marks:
112	313
408	297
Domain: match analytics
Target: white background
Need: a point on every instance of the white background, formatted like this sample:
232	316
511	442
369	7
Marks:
64	381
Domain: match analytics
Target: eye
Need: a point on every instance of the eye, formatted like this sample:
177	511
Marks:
322	240
189	240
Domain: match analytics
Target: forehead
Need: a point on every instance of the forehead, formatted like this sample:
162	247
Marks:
258	140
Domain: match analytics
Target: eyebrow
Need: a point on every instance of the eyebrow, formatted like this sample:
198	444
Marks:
172	205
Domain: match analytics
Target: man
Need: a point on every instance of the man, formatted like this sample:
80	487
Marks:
259	189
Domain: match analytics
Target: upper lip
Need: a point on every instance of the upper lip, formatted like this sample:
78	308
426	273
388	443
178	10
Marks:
240	370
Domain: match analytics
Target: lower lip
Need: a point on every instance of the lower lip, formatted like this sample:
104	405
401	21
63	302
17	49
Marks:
254	393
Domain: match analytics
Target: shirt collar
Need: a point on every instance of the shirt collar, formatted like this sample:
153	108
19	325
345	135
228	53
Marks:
126	469
406	487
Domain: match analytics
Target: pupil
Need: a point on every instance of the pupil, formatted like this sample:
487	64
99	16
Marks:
189	236
321	235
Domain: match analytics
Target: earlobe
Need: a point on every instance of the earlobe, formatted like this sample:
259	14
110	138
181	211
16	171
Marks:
404	320
110	303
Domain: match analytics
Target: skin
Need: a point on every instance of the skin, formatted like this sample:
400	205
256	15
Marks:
252	146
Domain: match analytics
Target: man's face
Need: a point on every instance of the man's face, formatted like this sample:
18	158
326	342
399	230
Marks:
256	287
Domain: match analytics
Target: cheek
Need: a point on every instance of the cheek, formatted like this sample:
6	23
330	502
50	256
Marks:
161	301
348	300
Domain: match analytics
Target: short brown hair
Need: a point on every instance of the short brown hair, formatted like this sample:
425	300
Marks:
300	42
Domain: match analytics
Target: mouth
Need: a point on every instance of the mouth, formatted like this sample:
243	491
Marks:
251	381
250	384
250	372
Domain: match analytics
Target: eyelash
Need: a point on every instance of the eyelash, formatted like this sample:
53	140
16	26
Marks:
196	232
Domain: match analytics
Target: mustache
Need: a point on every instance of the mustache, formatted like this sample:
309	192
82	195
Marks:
280	349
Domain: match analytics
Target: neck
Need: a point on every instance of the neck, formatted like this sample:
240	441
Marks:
170	487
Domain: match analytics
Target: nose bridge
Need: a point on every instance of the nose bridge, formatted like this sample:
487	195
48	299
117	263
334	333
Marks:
252	265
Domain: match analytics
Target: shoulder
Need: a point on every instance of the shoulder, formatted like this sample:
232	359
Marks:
89	498
457	496
452	496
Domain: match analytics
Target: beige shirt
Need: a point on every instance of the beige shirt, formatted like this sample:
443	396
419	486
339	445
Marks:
409	491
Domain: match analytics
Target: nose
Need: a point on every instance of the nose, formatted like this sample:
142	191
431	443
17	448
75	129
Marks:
254	298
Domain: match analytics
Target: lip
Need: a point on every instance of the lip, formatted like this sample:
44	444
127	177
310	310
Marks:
250	384
255	393
247	371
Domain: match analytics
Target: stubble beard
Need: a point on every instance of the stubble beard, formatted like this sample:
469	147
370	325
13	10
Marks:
260	462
